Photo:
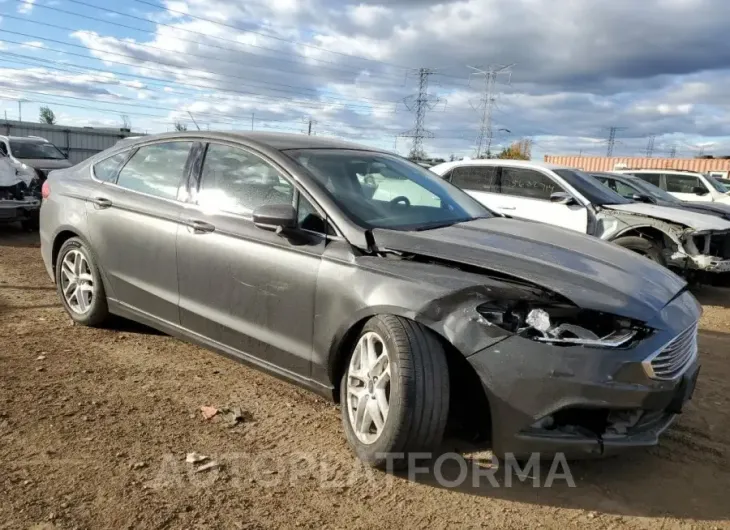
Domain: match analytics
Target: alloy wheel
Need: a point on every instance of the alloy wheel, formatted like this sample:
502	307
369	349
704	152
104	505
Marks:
368	387
77	282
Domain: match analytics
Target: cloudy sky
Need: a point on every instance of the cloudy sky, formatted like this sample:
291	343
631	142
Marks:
650	67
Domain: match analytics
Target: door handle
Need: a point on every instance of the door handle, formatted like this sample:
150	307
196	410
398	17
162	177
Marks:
101	202
200	227
507	207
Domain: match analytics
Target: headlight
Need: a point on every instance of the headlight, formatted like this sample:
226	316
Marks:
561	325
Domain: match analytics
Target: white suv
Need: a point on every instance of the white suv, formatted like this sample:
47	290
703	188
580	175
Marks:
685	185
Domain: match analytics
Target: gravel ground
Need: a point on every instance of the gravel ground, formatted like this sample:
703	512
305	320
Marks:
95	426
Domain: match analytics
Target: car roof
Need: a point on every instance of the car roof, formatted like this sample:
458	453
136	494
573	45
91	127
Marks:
38	139
278	141
498	161
660	170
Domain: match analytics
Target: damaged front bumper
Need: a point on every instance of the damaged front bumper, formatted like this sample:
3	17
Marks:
709	252
586	402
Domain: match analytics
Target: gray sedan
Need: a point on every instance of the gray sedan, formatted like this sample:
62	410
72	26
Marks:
372	281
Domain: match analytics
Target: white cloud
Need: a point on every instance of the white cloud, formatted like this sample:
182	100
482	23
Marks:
26	6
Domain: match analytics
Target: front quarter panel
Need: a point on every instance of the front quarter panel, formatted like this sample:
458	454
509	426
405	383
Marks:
351	288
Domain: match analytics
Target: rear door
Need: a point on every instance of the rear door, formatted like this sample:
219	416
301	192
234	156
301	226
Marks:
687	187
480	182
525	194
133	219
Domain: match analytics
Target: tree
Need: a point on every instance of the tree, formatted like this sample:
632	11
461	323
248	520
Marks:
519	150
180	126
47	116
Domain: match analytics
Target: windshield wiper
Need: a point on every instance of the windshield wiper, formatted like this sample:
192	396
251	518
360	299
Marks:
441	224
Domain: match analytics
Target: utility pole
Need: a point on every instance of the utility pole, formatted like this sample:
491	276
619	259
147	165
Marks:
252	121
486	104
650	146
309	129
612	139
195	122
420	104
20	110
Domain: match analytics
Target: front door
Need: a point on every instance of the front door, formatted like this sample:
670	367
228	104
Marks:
133	221
244	287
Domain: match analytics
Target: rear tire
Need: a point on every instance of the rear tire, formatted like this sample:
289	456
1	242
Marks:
645	247
79	284
415	398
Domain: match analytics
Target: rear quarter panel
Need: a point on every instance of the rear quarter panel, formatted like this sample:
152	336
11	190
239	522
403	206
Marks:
65	208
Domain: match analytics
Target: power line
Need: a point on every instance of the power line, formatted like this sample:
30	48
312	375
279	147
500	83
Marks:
267	35
486	104
420	104
192	54
187	74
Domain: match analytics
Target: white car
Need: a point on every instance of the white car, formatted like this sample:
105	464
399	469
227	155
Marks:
685	185
567	197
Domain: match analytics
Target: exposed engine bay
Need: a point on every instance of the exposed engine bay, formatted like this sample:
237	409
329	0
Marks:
684	247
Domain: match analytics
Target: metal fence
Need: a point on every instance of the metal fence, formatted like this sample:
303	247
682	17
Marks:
78	143
602	163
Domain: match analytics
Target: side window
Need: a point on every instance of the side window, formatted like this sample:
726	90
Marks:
683	183
476	178
3	149
106	170
527	183
652	178
236	181
624	190
156	169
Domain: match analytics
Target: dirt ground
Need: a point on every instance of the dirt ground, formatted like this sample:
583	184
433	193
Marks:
95	426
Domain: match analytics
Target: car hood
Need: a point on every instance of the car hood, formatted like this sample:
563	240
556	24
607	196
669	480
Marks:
45	163
590	272
717	209
699	221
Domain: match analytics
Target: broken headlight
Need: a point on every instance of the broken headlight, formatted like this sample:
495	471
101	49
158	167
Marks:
561	325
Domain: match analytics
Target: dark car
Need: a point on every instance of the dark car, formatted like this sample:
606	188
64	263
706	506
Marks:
408	310
640	190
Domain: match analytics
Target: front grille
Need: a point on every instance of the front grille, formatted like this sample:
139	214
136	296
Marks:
671	361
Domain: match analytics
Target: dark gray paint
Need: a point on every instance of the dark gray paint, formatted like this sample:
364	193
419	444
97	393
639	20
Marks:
287	302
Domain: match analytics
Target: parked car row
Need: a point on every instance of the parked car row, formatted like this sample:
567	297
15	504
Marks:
682	239
379	284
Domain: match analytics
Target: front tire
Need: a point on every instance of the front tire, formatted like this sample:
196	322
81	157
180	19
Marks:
79	284
645	247
394	393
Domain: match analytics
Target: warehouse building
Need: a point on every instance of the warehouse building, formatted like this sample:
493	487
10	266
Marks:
718	167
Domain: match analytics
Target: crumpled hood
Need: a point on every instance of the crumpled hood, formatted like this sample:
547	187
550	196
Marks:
45	163
698	221
717	209
590	272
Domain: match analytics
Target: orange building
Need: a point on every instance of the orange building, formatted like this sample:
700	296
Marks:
718	167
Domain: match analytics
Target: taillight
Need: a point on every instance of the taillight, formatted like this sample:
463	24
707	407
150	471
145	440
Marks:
45	190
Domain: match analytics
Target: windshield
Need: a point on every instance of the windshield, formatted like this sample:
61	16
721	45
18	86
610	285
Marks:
647	188
377	190
716	184
591	188
28	149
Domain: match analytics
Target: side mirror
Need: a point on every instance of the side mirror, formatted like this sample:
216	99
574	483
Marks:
642	198
275	217
699	190
560	197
